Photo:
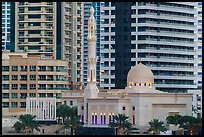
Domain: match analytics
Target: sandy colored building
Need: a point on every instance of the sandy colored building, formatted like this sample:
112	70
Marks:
26	75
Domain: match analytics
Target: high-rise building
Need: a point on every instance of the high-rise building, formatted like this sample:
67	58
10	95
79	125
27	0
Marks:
198	39
159	34
87	6
51	29
5	25
31	76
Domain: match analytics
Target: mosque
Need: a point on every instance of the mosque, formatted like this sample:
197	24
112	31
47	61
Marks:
139	100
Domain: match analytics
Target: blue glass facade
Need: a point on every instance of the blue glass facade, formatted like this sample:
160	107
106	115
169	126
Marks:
6	25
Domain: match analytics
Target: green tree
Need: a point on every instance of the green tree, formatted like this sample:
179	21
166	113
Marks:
121	122
156	126
189	123
62	111
73	122
26	123
18	127
173	119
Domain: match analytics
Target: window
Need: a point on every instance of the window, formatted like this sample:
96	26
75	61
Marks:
23	86
199	64
23	77
14	86
199	47
5	68
14	104
200	30
5	86
5	104
32	86
82	107
199	12
71	103
133	120
5	77
199	21
34	15
23	95
5	95
22	104
32	94
32	77
133	108
123	108
34	8
32	68
23	68
14	95
14	68
199	56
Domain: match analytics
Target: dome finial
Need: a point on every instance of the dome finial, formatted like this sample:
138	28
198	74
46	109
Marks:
91	10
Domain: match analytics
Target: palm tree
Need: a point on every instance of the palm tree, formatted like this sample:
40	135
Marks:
73	122
156	126
26	123
121	121
173	119
62	111
188	122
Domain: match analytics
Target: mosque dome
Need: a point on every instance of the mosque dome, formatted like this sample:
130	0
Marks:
140	74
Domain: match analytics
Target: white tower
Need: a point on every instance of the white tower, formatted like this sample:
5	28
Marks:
91	90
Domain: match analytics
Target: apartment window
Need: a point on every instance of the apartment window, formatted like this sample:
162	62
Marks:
34	40
199	47
82	107
5	95
32	86
14	104
32	68
5	77
35	32
42	94
123	108
34	16
14	68
22	104
199	21
5	86
199	64
34	24
199	82
199	12
34	8
14	95
14	86
5	104
42	86
5	68
200	30
23	86
23	95
106	4
133	108
199	56
14	77
112	12
199	3
23	77
23	68
32	77
106	12
42	68
32	94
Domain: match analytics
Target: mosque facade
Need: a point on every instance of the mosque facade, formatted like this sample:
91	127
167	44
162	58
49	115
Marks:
139	100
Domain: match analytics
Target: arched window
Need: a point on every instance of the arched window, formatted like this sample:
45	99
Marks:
109	118
92	119
82	118
133	120
135	84
104	119
144	84
101	119
95	118
139	84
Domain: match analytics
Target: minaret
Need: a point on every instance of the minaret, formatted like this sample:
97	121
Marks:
91	90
